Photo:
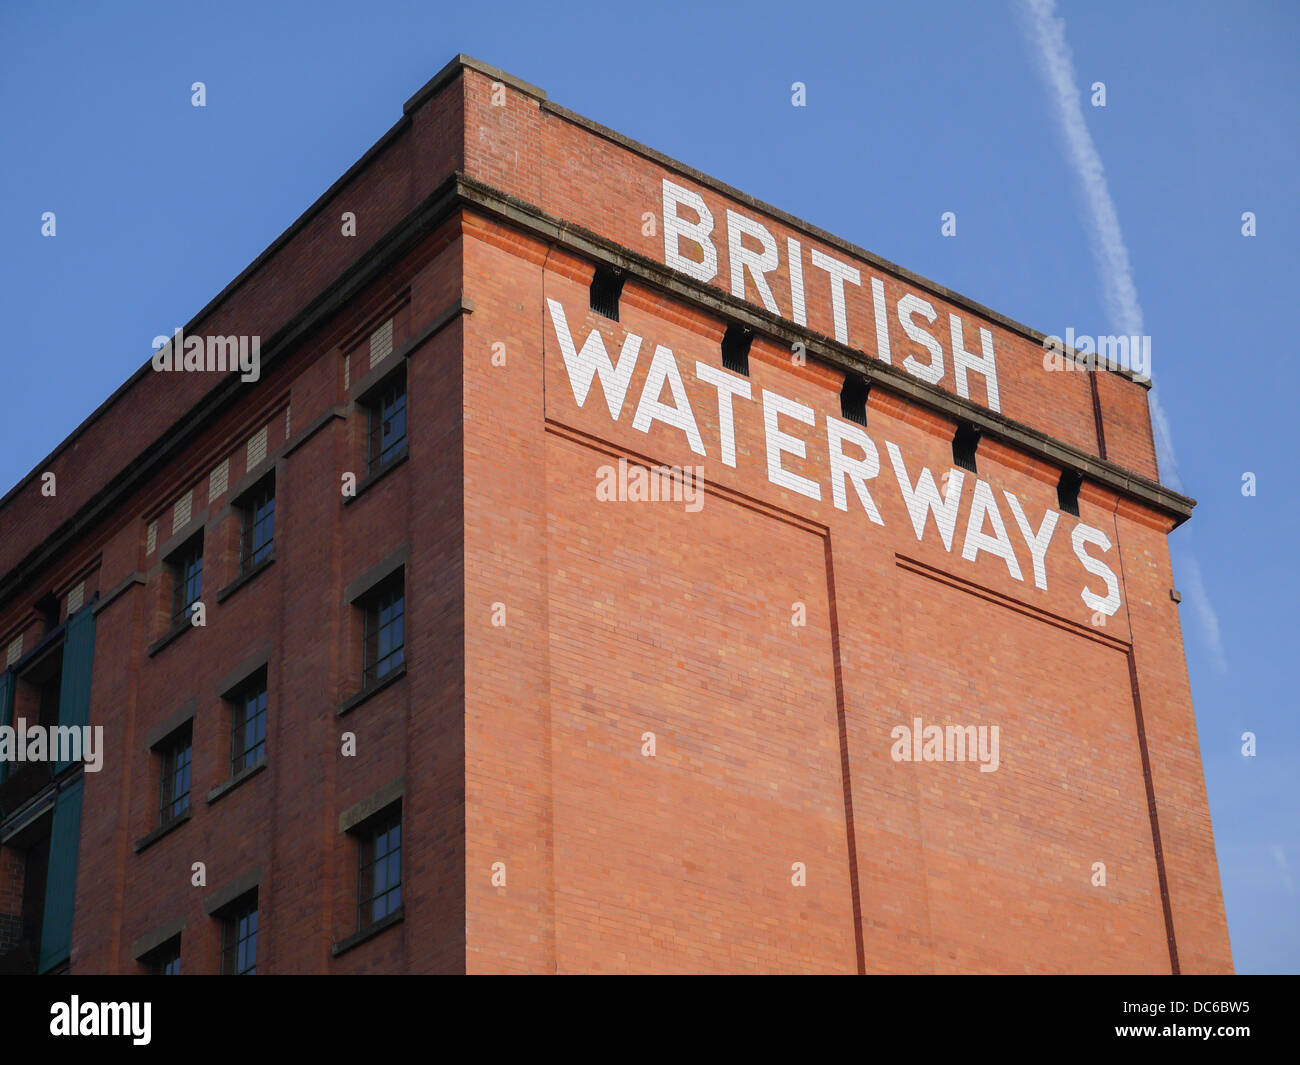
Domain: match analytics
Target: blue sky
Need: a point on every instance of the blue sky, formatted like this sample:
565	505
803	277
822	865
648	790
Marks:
913	110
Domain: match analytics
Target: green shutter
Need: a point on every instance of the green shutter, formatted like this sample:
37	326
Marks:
6	708
78	656
61	882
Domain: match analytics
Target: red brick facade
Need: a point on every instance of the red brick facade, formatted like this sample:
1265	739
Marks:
769	641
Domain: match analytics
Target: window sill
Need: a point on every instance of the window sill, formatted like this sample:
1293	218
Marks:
162	830
369	932
174	634
234	782
353	701
378	475
234	586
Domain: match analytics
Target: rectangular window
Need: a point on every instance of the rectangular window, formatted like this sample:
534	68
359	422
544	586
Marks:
174	792
385	635
166	960
257	526
380	880
239	938
387	425
248	725
187	580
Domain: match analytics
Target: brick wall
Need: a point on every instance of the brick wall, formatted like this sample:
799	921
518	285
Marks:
285	819
549	631
548	157
627	618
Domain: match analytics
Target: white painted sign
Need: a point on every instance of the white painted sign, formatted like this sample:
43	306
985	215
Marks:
853	459
753	253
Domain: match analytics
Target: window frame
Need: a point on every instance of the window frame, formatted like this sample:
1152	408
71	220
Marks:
261	495
242	909
254	688
164	957
369	835
387	594
170	751
376	403
179	562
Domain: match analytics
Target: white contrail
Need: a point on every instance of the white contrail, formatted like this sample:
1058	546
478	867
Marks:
1047	33
1199	600
1279	856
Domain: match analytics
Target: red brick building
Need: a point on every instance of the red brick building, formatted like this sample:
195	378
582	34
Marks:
604	572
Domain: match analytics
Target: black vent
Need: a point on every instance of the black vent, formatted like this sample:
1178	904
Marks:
48	608
735	349
1067	492
606	288
964	444
853	401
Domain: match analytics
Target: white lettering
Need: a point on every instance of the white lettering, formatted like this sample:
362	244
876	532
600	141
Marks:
676	227
779	442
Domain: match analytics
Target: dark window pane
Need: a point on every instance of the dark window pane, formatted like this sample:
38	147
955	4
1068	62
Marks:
248	727
166	961
387	436
187	582
385	634
174	796
239	940
257	537
380	880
